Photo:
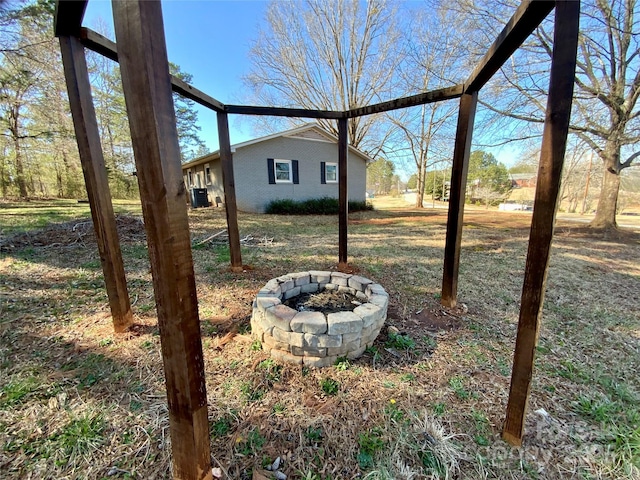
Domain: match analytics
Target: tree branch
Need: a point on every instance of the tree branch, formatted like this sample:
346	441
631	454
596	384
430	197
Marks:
629	160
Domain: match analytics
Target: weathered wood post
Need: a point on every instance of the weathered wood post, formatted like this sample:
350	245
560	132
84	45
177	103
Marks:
343	193
231	209
525	19
461	152
554	142
95	179
147	89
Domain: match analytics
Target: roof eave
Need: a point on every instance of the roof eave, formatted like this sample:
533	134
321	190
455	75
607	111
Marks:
287	133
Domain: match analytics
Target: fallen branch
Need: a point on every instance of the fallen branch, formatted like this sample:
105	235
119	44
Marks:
224	340
210	237
266	241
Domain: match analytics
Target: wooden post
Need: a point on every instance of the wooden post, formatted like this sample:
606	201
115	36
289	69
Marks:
343	194
67	18
226	160
147	90
95	178
554	141
461	151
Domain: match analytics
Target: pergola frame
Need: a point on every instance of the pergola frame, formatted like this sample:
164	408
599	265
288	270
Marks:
147	87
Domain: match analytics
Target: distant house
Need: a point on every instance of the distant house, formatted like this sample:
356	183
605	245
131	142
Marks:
523	180
297	164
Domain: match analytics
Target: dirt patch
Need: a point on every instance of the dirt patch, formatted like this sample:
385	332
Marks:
328	301
348	268
437	321
433	319
622	235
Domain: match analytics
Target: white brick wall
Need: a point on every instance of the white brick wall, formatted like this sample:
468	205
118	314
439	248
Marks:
253	190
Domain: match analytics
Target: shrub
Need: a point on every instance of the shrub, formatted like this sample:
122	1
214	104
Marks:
330	386
400	342
312	206
363	206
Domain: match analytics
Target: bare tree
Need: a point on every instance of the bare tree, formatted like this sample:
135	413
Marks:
433	60
21	73
609	83
38	151
56	151
327	54
579	178
14	88
605	114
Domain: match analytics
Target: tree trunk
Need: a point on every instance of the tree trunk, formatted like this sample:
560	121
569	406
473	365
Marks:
605	218
68	173
14	128
22	184
68	184
420	188
3	170
59	183
607	203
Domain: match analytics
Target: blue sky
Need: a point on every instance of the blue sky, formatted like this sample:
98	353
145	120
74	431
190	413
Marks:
210	40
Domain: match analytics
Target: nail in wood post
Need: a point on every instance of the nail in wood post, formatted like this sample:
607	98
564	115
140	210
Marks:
147	90
462	149
554	141
226	160
95	178
343	199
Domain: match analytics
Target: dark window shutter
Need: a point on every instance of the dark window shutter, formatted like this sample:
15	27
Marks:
272	174
294	167
323	172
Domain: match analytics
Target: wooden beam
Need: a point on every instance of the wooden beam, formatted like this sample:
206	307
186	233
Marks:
226	161
343	192
528	16
419	99
147	91
283	112
102	45
99	43
95	178
67	18
554	142
412	101
192	93
461	152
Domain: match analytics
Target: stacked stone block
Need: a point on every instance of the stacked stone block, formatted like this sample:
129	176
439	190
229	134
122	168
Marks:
313	338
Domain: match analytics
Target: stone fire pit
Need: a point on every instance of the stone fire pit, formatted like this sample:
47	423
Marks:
313	338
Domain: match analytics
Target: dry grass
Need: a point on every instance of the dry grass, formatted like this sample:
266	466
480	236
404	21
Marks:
77	401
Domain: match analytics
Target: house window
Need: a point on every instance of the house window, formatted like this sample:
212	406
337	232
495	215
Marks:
328	172
283	171
190	177
207	174
331	172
